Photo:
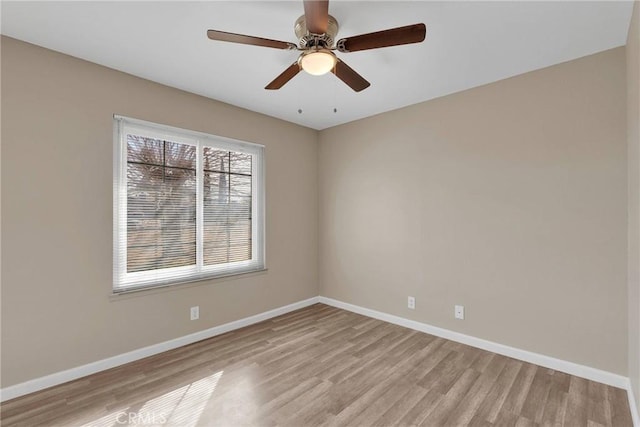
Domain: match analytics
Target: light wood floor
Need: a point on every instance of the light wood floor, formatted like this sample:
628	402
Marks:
324	366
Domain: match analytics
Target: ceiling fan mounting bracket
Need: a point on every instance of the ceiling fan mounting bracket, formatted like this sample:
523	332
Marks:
307	39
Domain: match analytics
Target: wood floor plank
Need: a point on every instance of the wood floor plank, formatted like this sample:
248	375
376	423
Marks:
555	407
598	409
444	375
492	404
620	413
388	399
401	408
323	366
576	413
468	406
520	389
452	399
533	408
422	409
290	412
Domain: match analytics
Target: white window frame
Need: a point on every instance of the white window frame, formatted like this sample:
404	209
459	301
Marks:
126	282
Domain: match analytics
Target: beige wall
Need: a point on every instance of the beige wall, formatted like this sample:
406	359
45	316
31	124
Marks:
57	215
509	199
633	141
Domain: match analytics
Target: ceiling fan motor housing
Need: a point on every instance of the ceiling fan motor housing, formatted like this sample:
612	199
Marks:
308	40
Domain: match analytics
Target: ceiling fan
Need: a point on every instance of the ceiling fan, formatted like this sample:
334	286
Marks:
316	30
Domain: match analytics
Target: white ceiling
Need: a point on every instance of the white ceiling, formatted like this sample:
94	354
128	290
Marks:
468	44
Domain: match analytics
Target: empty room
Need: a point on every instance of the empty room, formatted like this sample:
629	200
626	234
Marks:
320	213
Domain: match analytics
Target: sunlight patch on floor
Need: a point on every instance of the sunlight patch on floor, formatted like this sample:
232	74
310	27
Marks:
182	406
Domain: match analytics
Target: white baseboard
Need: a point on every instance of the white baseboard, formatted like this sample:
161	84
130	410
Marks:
582	371
41	383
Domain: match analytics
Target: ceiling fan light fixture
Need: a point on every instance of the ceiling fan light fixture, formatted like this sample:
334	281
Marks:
318	62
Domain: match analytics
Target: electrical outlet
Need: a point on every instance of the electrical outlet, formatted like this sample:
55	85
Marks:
195	312
459	312
411	303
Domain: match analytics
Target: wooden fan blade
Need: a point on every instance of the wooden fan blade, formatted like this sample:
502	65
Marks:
316	15
393	37
283	78
251	40
348	75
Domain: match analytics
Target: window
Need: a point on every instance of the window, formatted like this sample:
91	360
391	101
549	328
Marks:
187	206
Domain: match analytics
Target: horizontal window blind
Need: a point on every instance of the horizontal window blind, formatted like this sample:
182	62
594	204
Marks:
226	206
187	206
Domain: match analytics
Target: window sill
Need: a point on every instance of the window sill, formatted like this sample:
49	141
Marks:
151	290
